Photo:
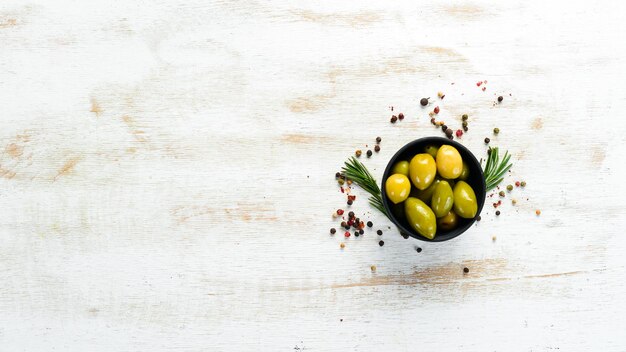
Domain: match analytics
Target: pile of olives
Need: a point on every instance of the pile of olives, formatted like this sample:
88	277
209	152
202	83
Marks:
431	191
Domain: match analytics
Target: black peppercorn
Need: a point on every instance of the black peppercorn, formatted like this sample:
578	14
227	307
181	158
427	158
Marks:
337	175
357	220
465	128
497	212
432	120
351	215
369	153
444	128
369	224
361	231
466	270
344	224
377	148
424	101
500	98
487	140
394	118
379	232
356	233
400	116
449	132
349	201
381	243
378	139
478	218
333	231
418	249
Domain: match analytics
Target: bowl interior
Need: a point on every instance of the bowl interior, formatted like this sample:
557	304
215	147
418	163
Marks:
475	180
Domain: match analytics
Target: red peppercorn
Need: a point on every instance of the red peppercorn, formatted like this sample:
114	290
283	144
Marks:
400	116
347	234
436	111
459	133
339	211
478	84
517	183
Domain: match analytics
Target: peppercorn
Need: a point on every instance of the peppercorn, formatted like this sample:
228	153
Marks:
465	128
377	148
378	139
333	231
373	268
349	182
381	243
337	175
444	128
340	181
466	270
361	232
394	118
509	188
343	224
379	232
400	116
500	98
346	234
496	130
342	245
418	249
513	201
493	238
449	132
497	212
358	153
523	184
459	133
432	120
339	211
440	95
501	193
478	218
350	202
517	183
369	153
424	101
356	233
350	214
464	117
369	224
436	110
538	212
357	220
464	124
487	140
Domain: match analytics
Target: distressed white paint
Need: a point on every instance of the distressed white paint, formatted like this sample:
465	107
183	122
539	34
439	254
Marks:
190	209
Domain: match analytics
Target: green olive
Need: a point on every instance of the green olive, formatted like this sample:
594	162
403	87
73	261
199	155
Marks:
422	170
448	222
432	150
441	202
426	194
464	172
449	162
420	217
401	167
397	188
465	204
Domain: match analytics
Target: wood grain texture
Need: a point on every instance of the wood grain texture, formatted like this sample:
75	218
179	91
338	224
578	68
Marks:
166	175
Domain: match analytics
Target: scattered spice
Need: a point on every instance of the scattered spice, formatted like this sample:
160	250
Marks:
538	212
340	181
418	249
377	148
379	232
373	268
441	95
356	233
400	116
381	243
351	214
493	238
342	246
459	133
487	140
346	234
500	98
478	218
497	212
465	128
444	128
350	202
424	101
466	270
361	232
378	139
517	183
337	175
339	211
449	132
464	117
394	118
369	224
358	153
496	130
464	123
523	184
509	188
501	193
432	120
513	201
333	231
349	182
369	153
436	110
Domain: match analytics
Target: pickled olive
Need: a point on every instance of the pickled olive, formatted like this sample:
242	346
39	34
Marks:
401	167
426	195
422	170
449	162
432	150
448	222
441	202
465	204
464	172
397	188
420	217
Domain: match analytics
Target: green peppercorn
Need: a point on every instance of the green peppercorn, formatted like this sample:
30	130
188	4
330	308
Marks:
509	188
464	117
464	124
501	193
496	130
523	184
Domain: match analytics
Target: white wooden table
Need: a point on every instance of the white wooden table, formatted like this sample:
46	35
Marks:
167	175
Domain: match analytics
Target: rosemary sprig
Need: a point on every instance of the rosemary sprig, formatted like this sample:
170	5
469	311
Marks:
358	173
495	168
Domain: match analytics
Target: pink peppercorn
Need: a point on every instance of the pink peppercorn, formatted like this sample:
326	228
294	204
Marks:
459	133
436	111
339	211
347	234
517	183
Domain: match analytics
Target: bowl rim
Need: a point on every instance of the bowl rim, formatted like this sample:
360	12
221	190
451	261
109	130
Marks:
440	141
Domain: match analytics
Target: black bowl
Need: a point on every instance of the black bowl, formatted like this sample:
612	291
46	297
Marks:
476	180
